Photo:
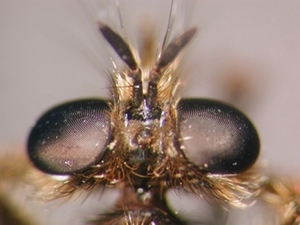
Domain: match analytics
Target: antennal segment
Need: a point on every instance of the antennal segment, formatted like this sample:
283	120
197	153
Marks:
168	55
175	46
123	50
119	45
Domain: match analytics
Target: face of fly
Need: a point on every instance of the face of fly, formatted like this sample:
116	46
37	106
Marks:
144	105
146	140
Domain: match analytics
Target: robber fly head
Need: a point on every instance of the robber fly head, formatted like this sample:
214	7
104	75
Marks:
147	136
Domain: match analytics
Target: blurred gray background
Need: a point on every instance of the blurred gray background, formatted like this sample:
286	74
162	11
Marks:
246	53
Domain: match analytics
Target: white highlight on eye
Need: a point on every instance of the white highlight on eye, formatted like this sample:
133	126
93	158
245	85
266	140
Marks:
69	163
60	177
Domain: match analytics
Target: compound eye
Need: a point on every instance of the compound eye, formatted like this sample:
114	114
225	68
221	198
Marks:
216	137
71	137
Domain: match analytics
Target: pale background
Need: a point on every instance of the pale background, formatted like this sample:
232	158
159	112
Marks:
51	52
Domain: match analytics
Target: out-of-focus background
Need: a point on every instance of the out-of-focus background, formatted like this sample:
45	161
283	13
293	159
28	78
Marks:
246	53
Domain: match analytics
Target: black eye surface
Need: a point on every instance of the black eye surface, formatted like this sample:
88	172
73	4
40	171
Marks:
71	137
217	137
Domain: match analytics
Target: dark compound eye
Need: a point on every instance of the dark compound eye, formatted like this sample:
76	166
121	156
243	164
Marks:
71	137
217	137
